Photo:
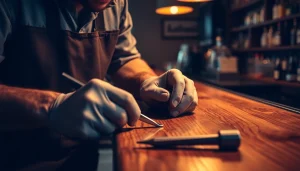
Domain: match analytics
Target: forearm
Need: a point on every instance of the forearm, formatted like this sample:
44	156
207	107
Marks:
24	108
130	76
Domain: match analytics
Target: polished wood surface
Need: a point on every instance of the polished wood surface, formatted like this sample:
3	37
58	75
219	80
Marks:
270	137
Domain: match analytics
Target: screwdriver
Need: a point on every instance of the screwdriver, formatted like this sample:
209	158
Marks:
79	84
225	139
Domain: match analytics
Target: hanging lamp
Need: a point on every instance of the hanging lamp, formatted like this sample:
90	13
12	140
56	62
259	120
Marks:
172	7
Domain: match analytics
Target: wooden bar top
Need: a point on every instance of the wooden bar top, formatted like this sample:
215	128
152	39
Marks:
270	137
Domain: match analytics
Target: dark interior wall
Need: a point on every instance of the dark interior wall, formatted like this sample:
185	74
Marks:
147	30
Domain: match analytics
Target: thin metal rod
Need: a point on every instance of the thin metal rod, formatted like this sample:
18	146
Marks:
142	118
146	119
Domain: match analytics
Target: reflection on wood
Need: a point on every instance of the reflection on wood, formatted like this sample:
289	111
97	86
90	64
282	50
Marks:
270	137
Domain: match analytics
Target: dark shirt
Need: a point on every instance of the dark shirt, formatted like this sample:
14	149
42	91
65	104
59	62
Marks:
116	17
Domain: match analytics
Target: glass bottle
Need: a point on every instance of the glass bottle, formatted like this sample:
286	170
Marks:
298	34
293	33
277	69
291	74
262	15
286	34
270	37
298	70
274	10
264	38
277	36
283	68
280	10
288	8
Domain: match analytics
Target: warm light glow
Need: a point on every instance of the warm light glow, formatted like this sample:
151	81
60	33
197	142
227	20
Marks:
174	10
194	0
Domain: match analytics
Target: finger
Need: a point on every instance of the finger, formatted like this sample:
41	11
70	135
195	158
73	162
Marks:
126	101
115	114
187	98
182	107
176	80
105	126
96	124
194	104
156	93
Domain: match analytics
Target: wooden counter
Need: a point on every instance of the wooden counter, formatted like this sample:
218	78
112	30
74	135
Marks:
270	137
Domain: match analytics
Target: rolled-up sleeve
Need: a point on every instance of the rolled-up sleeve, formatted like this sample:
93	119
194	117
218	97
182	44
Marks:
126	45
5	27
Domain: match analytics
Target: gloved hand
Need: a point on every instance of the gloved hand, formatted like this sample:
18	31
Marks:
96	109
183	97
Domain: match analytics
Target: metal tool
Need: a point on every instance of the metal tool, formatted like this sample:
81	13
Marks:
79	84
226	139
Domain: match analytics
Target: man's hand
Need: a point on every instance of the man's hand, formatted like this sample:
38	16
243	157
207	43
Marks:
183	96
96	109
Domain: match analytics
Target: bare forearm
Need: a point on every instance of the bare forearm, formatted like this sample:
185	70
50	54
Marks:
132	74
24	108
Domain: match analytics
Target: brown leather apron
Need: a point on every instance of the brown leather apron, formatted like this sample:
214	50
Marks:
36	57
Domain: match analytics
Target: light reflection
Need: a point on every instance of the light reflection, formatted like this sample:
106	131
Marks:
174	10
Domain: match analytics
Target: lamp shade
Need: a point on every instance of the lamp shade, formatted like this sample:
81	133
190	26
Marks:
172	7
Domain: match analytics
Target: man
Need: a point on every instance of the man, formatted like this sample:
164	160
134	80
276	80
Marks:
89	39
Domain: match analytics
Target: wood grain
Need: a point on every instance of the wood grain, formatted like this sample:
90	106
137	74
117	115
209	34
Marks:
270	137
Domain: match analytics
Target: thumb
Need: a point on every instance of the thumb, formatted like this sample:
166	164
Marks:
158	94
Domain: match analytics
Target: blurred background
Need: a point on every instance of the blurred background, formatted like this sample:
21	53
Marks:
246	46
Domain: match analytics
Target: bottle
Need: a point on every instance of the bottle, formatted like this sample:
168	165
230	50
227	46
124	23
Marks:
291	74
183	58
283	69
274	16
280	10
298	35
264	38
293	8
293	33
241	40
277	36
247	20
219	51
298	71
262	15
270	37
277	69
256	16
288	8
247	42
286	34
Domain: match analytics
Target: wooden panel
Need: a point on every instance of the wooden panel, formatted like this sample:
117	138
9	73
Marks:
270	137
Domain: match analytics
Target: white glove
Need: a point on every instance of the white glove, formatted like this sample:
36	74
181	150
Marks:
96	109
182	98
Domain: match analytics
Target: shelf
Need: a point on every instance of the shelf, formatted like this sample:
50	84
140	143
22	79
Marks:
242	28
277	82
271	49
245	5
